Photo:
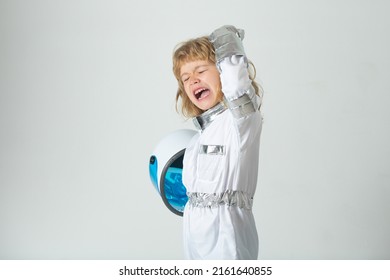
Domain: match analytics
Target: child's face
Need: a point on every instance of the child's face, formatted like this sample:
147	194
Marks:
201	83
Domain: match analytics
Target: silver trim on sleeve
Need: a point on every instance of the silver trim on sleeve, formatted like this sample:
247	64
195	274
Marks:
242	106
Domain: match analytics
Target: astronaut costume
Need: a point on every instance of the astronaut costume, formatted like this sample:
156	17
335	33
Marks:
220	164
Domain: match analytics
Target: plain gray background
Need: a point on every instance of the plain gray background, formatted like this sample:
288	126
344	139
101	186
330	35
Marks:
87	91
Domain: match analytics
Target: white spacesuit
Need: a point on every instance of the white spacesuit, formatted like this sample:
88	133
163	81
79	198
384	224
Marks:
220	164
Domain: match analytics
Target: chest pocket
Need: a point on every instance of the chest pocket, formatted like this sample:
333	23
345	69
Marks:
211	160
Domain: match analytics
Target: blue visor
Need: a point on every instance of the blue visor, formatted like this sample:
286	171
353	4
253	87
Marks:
174	190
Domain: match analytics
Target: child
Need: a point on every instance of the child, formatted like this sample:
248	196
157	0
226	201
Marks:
220	164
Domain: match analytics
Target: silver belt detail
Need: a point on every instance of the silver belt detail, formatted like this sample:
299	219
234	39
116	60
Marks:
214	200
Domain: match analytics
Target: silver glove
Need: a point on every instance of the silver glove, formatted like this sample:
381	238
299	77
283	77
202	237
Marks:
227	41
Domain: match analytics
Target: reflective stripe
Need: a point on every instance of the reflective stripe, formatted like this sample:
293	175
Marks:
242	106
212	149
214	200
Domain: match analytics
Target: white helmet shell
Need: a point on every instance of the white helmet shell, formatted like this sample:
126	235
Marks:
166	166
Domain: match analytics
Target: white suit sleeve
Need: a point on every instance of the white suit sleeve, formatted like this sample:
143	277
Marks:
232	64
237	87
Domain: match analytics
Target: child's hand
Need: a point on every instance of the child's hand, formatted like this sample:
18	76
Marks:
227	41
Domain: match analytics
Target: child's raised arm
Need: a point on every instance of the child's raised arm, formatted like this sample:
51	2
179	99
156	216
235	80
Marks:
232	64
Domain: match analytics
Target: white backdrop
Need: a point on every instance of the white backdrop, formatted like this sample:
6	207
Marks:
87	91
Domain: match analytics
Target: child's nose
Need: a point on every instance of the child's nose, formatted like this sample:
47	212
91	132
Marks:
194	80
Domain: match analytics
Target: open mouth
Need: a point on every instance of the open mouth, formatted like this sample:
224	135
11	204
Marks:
201	93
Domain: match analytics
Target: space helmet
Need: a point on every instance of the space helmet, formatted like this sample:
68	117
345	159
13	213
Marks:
166	167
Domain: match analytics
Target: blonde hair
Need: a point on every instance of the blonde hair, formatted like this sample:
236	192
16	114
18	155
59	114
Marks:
196	49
